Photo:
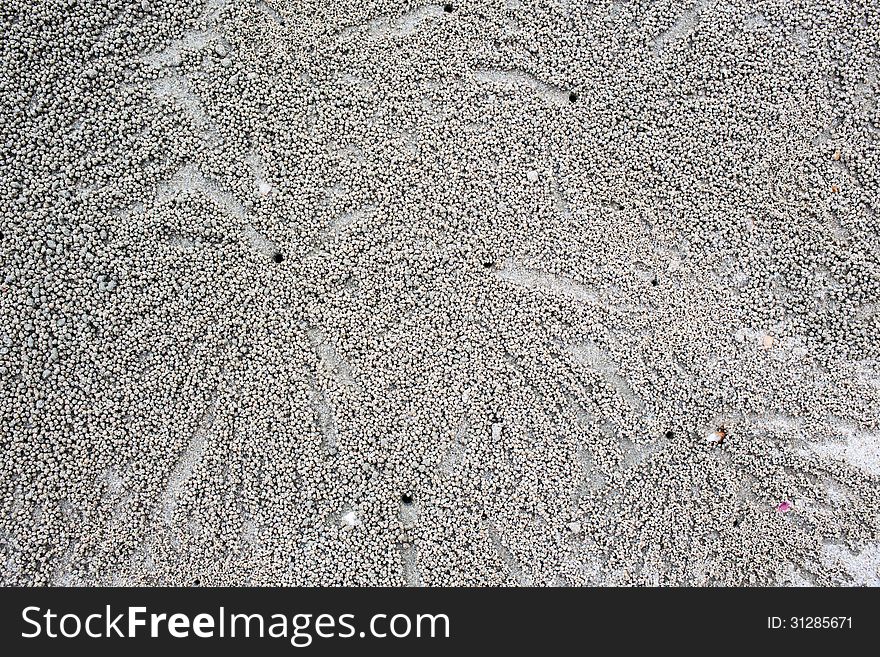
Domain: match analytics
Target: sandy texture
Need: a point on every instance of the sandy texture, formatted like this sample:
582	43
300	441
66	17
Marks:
384	292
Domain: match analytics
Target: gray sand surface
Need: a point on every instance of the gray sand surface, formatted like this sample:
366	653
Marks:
386	292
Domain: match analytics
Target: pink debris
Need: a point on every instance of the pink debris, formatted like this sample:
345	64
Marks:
784	507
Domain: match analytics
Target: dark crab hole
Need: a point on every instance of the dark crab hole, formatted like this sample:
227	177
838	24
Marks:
277	258
448	7
406	498
572	97
669	434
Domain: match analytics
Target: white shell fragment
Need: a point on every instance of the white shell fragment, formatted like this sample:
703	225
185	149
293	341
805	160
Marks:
714	437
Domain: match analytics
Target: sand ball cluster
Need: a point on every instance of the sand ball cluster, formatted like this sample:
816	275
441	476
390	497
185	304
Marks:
391	292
